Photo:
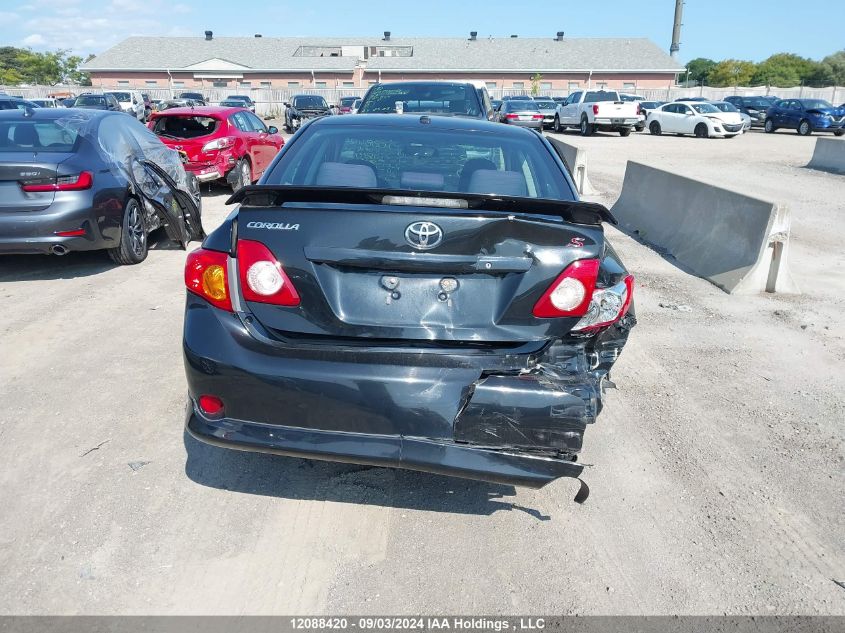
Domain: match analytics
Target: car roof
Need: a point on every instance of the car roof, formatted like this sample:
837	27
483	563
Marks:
40	114
427	82
414	121
209	111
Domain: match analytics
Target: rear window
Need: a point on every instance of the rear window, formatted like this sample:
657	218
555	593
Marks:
91	100
121	96
546	105
523	106
347	101
309	101
41	136
371	156
430	98
595	96
185	126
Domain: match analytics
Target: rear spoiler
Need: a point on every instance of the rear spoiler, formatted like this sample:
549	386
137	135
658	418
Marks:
576	212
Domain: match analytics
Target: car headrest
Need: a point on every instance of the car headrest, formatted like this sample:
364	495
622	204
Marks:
426	181
26	135
506	183
346	175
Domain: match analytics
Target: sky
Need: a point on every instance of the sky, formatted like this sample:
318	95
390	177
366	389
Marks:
716	29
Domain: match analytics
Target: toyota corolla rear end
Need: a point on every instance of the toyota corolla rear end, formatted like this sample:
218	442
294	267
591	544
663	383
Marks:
415	292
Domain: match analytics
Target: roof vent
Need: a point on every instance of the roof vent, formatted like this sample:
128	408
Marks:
514	35
559	37
258	35
387	36
473	35
208	35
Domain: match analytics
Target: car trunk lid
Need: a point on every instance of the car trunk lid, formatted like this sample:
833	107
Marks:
376	271
18	168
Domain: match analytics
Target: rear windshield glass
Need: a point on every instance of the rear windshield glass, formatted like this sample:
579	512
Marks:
185	126
433	98
121	96
347	101
371	156
190	95
40	136
309	101
546	105
600	95
91	100
523	106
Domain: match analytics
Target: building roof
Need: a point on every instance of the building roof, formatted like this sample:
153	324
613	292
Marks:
413	54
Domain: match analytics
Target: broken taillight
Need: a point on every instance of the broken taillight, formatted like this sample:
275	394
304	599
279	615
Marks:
262	277
206	276
607	306
570	294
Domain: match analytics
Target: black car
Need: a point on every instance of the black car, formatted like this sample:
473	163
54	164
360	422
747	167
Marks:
245	101
301	108
194	97
451	98
16	103
754	107
418	292
81	180
91	101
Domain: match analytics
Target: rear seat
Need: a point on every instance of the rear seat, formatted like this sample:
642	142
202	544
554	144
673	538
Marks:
346	175
427	181
506	183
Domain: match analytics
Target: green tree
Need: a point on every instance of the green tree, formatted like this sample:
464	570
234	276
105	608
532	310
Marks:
699	69
535	84
786	69
731	72
836	66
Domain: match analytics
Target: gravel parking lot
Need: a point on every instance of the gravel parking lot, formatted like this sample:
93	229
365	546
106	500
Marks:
718	462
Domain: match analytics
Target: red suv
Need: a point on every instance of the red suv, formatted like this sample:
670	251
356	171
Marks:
217	143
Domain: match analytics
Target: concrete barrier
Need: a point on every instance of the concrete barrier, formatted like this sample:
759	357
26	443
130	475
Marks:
576	162
829	155
738	242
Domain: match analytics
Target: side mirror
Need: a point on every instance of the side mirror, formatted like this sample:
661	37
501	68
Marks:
286	104
273	129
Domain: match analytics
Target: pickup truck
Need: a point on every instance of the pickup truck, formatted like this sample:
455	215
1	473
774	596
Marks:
594	110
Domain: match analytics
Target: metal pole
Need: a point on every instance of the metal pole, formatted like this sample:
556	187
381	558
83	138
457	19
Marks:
676	29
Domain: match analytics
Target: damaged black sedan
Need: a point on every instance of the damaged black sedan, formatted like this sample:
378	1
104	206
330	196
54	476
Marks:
81	180
408	291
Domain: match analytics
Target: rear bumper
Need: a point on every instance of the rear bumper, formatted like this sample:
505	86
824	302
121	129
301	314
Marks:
534	125
503	417
34	232
411	453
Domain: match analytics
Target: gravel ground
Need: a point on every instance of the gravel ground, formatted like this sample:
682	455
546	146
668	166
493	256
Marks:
717	484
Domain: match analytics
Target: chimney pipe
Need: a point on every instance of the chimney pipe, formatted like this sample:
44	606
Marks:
676	29
473	35
559	37
514	36
387	36
208	35
258	35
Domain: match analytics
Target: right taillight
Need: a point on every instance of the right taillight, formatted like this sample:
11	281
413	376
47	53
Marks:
262	277
607	306
570	294
206	276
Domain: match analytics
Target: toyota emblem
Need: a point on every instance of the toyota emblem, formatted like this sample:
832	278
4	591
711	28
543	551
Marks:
423	235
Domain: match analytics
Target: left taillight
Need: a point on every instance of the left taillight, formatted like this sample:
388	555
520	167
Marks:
206	276
74	182
262	278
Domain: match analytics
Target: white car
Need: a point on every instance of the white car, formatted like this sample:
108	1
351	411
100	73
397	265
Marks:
725	106
702	119
130	102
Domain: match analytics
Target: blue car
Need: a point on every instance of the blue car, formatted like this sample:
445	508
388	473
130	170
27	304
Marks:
806	116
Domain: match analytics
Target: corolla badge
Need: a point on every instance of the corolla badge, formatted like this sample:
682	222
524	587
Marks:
423	235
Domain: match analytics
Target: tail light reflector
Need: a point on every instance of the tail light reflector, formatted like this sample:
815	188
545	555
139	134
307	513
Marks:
206	276
211	405
537	116
595	109
607	306
511	116
262	277
571	292
218	143
76	182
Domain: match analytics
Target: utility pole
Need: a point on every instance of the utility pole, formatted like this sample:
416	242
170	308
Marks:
676	29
